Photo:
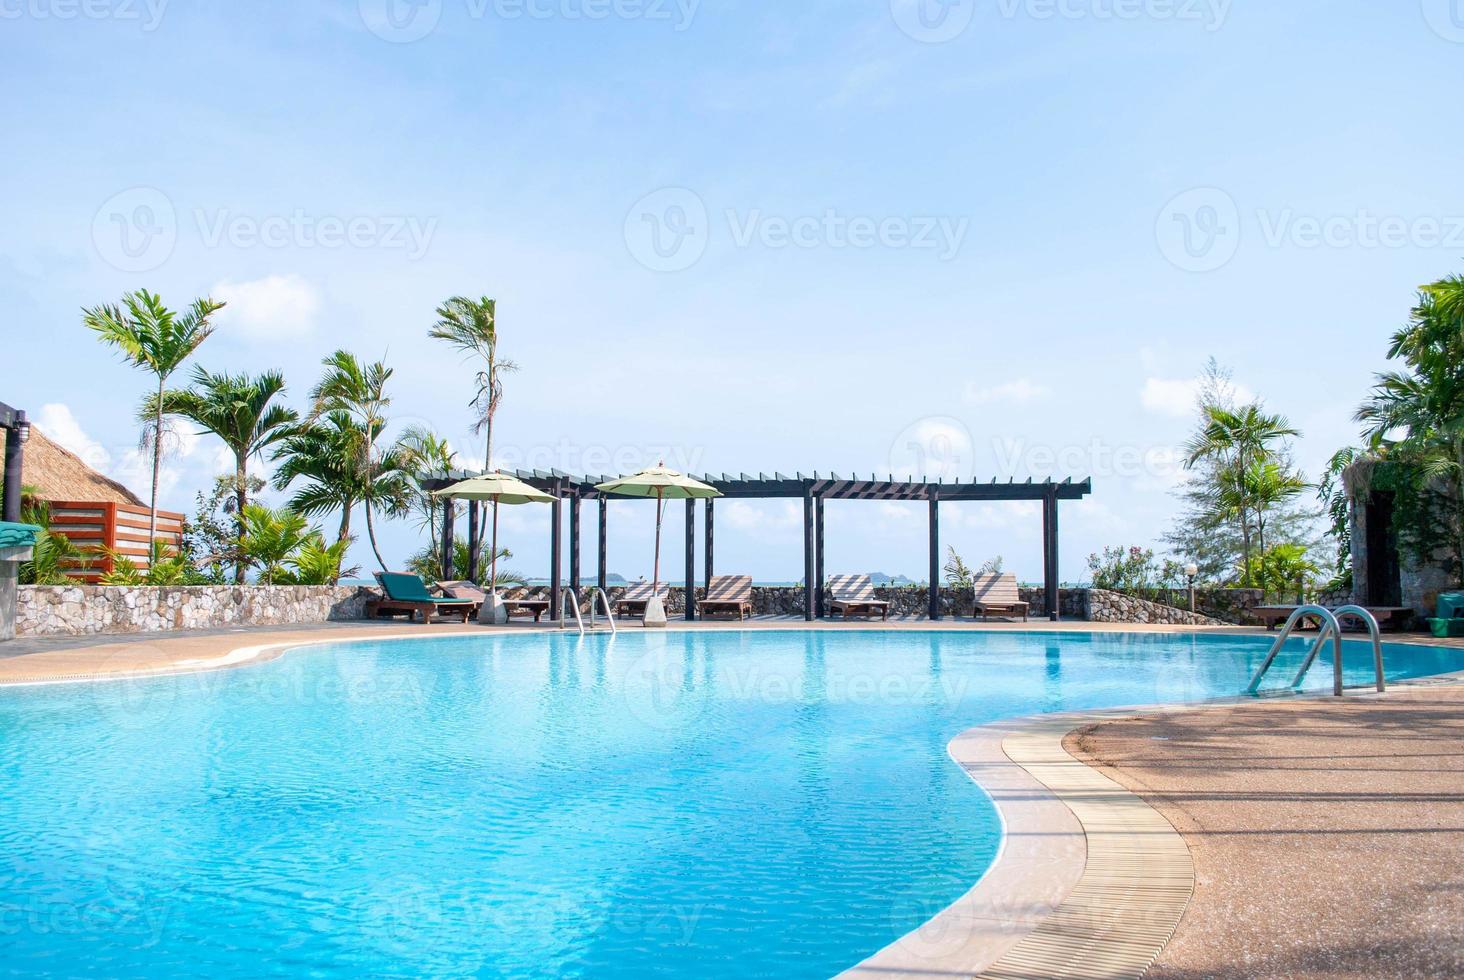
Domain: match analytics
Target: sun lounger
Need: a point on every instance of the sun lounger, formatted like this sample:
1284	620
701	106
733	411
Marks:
853	595
728	594
514	607
632	605
997	595
405	593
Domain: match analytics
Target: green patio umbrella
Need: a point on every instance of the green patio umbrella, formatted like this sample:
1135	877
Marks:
500	488
662	485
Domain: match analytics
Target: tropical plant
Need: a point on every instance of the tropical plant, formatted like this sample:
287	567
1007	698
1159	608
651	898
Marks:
1416	416
271	537
211	535
1286	570
239	409
427	564
167	566
154	338
471	326
1132	570
53	556
1239	443
424	453
958	573
358	390
318	563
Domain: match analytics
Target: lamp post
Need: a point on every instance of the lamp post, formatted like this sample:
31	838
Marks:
1191	572
19	434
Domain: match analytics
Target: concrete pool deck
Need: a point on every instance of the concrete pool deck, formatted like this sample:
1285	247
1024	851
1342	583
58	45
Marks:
1094	878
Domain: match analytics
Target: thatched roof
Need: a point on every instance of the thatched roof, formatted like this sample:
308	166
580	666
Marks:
58	474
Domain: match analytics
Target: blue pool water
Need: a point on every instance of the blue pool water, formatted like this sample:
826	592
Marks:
707	804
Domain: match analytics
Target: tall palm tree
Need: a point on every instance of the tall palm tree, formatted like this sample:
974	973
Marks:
154	338
472	327
240	410
1237	440
359	390
322	455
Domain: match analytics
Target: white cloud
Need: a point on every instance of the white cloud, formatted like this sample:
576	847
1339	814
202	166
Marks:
745	516
1019	392
1179	398
271	308
57	421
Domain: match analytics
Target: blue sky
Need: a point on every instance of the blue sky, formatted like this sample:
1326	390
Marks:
995	239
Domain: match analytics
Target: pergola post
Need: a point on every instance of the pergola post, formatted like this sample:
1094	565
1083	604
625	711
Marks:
808	570
818	557
574	543
690	559
934	554
1050	554
603	569
449	571
707	542
474	539
556	509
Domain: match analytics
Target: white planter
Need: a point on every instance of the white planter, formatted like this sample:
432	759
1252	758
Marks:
493	612
655	618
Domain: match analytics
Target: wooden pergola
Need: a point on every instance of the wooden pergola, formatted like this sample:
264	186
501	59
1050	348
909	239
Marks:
812	490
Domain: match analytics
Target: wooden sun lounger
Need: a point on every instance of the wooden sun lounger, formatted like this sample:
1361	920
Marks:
405	593
632	605
998	595
1387	616
514	607
853	595
728	594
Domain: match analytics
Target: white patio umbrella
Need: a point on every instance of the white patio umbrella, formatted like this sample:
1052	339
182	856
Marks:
500	488
661	484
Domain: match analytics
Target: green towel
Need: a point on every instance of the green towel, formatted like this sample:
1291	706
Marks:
17	535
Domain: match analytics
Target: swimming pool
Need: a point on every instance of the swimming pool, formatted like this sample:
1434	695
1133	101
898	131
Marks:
709	803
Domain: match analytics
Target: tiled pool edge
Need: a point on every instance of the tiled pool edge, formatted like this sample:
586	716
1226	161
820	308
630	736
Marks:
1088	872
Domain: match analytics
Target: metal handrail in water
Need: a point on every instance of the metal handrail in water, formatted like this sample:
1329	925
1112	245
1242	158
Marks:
1329	625
563	619
1331	629
604	598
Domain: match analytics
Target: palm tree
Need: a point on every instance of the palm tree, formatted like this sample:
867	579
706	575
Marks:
271	536
424	453
238	409
152	337
472	327
359	391
1237	440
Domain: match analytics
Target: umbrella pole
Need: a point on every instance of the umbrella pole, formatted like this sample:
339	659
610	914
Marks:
656	570
493	555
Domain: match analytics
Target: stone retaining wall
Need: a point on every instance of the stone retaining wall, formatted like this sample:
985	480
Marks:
95	610
1113	607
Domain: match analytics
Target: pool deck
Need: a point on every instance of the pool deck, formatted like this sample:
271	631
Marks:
1327	835
1290	837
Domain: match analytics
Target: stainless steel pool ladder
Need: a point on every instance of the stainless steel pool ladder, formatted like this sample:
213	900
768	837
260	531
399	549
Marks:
1331	629
602	599
574	603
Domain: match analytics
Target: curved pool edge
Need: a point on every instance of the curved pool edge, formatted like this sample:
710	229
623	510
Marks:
1089	876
